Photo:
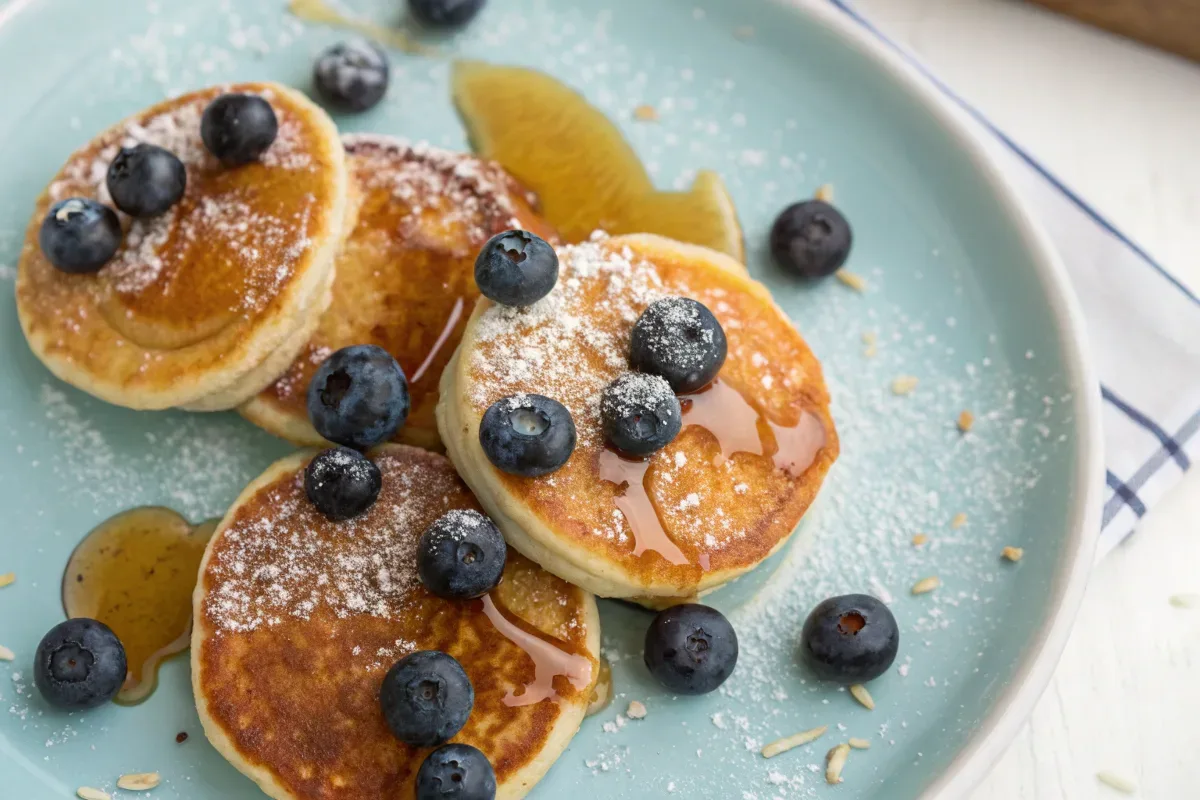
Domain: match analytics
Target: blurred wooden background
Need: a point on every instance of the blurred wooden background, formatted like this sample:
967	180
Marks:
1172	25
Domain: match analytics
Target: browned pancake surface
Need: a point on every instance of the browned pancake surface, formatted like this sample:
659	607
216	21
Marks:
300	618
405	277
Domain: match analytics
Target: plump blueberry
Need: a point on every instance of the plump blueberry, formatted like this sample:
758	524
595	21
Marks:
691	648
79	664
146	180
516	268
79	235
426	698
351	76
238	128
342	483
358	397
639	413
811	239
527	434
445	13
680	340
456	772
850	639
461	555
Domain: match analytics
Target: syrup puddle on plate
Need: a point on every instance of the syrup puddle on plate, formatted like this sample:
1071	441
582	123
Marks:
136	572
738	427
324	13
549	659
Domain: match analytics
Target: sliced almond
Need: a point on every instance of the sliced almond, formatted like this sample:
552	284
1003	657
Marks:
636	710
926	584
919	539
645	113
139	781
870	341
965	420
88	793
1117	782
795	740
835	760
824	193
958	520
7	579
859	744
1185	600
855	281
860	693
6	654
905	384
1013	554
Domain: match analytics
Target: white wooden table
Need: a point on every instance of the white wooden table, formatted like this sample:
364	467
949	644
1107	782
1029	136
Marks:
1120	123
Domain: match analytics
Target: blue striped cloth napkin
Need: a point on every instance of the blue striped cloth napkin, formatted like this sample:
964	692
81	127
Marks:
1143	325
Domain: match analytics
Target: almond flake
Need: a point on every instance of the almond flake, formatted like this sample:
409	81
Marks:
645	113
6	654
824	193
636	710
88	793
965	420
870	340
859	744
1185	600
835	760
1116	782
7	579
919	539
795	740
855	281
926	585
903	385
860	693
1012	553
959	520
139	781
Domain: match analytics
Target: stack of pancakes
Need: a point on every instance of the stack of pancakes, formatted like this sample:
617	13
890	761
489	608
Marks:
233	299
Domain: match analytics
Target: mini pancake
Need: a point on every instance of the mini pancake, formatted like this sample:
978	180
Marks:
405	277
725	494
202	306
297	619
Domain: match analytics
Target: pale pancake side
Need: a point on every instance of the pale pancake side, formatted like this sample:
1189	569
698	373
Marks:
198	297
405	277
288	691
722	519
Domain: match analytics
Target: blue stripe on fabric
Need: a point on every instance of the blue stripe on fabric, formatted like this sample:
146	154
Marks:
1124	497
1170	445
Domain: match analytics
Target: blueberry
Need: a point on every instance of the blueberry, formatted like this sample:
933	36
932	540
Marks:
461	555
426	698
527	434
516	268
691	649
850	639
639	413
358	397
145	180
342	483
351	76
445	13
238	128
79	664
456	772
79	235
680	340
811	239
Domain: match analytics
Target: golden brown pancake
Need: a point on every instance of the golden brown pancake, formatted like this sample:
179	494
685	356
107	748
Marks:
297	619
406	275
724	495
197	300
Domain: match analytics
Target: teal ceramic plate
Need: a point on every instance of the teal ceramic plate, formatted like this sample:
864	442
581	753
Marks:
961	293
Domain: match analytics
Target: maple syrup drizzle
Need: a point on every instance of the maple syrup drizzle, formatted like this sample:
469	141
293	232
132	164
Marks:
602	693
324	13
447	330
136	572
737	426
549	660
635	503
